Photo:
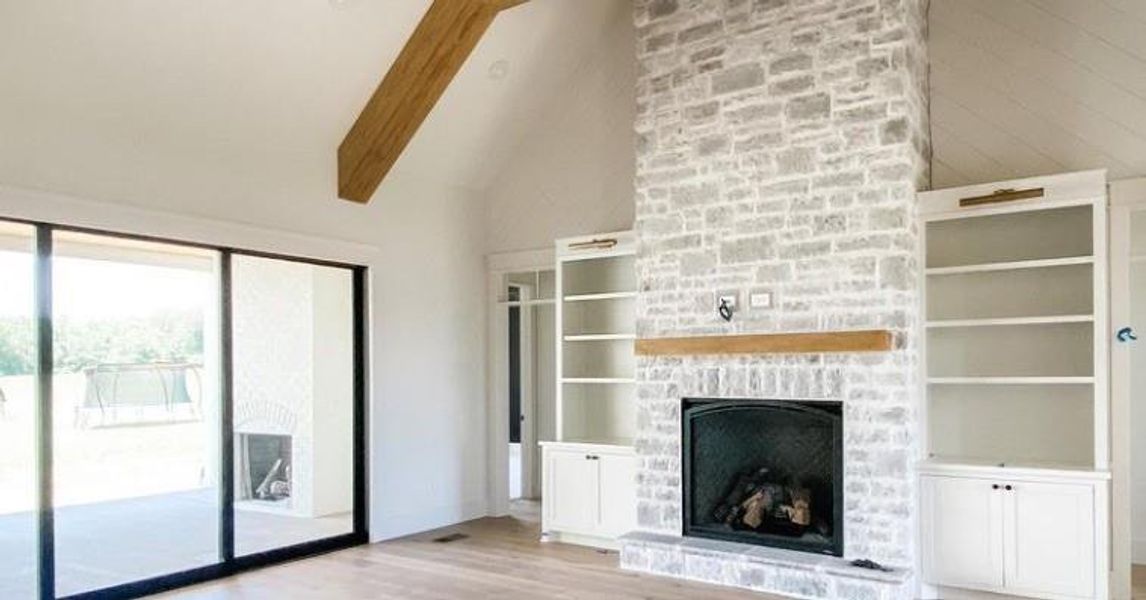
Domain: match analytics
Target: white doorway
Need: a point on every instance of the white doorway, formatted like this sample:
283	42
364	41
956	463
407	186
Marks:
522	374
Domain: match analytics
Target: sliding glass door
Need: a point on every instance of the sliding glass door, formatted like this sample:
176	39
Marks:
18	413
172	412
135	410
294	402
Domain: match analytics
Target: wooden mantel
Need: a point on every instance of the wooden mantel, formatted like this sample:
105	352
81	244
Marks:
878	340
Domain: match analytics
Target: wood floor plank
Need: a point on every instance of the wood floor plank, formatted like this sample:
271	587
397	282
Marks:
501	559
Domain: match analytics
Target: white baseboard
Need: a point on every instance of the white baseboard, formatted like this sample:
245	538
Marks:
1138	551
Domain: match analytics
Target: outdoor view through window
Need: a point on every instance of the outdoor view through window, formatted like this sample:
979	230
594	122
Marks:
137	428
135	409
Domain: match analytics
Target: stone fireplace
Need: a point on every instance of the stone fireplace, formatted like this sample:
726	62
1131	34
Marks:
780	144
764	472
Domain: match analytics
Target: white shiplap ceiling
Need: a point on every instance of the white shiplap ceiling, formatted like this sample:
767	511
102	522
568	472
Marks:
1030	87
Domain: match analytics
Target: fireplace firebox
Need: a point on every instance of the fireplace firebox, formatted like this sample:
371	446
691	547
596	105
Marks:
764	472
264	470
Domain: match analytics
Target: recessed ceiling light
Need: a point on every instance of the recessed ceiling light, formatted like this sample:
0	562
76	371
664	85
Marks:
499	69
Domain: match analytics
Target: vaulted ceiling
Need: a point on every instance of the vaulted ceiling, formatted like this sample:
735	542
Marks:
90	89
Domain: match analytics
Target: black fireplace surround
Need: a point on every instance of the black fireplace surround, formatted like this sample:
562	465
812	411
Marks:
764	472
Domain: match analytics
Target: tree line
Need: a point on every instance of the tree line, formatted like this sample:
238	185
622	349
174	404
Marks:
163	337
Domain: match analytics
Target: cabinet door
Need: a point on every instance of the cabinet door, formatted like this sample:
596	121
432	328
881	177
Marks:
571	494
618	495
962	532
1050	539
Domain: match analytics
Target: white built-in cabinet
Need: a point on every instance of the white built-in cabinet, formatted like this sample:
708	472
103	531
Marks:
1028	536
964	532
590	492
1016	467
572	488
589	470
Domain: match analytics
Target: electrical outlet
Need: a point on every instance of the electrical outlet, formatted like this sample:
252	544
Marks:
760	300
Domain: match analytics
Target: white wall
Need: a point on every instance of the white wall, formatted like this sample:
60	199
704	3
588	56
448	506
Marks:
430	325
573	173
1138	401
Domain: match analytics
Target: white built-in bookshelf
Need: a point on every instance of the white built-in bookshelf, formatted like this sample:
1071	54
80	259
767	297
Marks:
596	321
1014	328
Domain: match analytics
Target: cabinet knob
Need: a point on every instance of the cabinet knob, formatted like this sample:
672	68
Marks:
994	486
1008	488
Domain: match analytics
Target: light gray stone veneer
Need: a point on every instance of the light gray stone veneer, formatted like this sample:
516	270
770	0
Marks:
780	144
758	568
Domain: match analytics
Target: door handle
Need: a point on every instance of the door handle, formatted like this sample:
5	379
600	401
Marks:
1126	334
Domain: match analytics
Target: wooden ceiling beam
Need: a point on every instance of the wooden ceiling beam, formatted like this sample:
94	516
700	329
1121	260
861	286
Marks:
439	46
504	4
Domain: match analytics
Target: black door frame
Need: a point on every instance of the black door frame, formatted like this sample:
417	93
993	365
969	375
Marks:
228	564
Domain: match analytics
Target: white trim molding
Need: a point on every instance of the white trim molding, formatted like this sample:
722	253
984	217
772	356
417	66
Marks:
1127	197
497	384
60	209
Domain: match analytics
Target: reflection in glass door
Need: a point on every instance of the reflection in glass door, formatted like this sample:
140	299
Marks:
18	413
293	342
135	431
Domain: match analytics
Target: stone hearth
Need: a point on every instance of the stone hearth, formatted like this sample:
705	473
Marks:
771	570
780	146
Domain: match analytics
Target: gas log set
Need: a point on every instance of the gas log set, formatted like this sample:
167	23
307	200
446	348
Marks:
758	501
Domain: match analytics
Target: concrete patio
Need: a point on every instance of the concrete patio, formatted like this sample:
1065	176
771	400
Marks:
109	543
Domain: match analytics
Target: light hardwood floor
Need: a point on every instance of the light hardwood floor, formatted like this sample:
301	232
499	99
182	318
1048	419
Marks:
501	559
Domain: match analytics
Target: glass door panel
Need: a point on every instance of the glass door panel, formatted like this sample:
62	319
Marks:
18	419
136	416
293	370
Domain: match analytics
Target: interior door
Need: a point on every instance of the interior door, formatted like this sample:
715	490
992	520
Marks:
528	400
1050	538
963	533
573	490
